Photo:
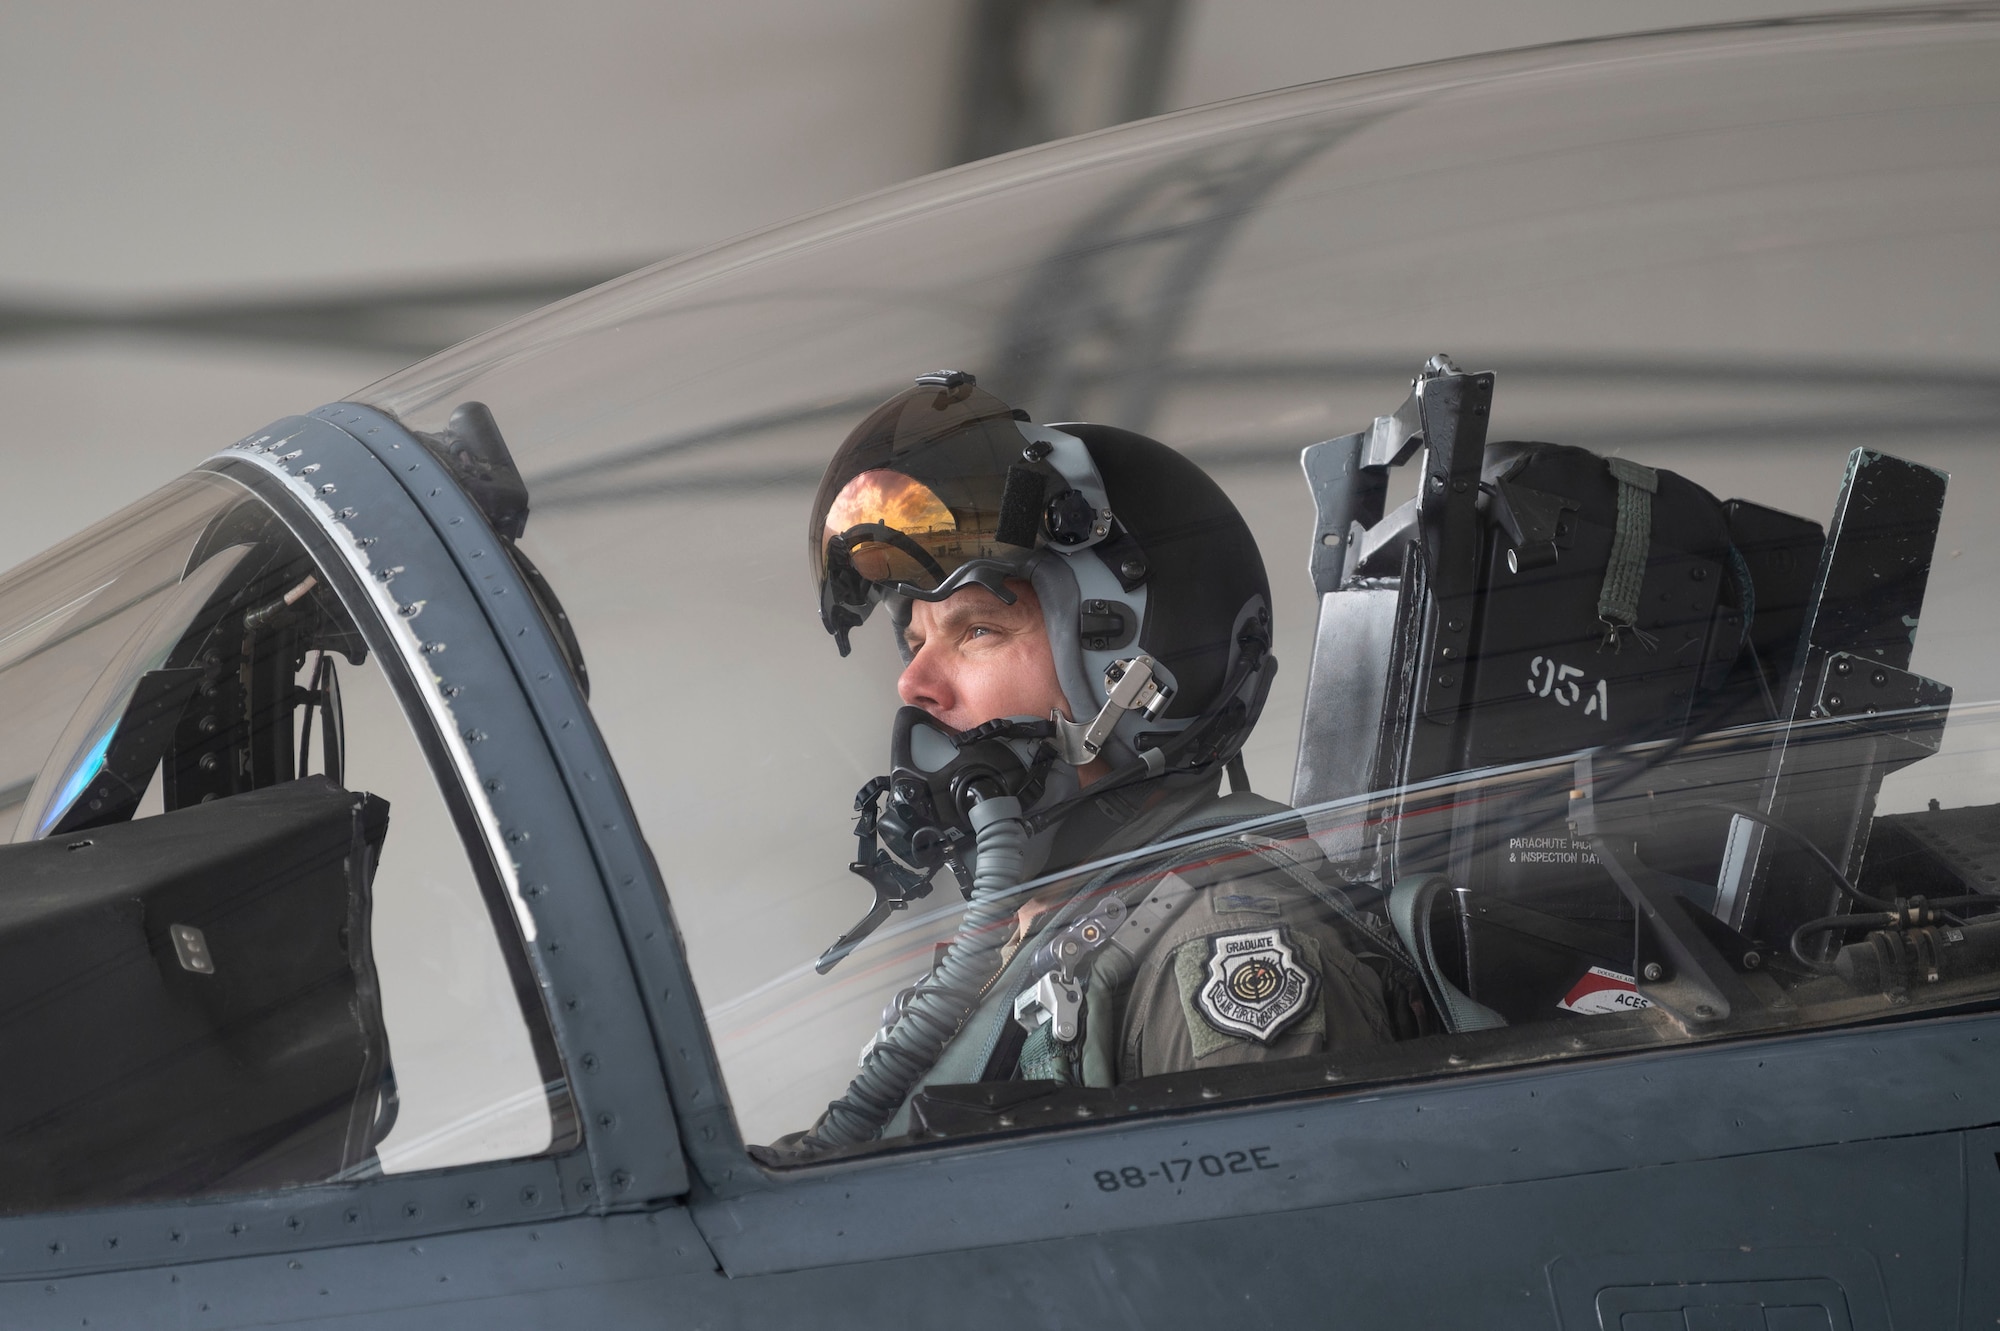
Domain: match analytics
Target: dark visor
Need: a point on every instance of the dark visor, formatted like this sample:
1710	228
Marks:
932	484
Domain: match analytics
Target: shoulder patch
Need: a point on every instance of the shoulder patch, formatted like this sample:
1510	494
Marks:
1255	986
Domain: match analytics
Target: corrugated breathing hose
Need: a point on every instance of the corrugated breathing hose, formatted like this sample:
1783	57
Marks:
941	1003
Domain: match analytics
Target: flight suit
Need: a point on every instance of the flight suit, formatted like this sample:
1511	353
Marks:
1212	988
1226	954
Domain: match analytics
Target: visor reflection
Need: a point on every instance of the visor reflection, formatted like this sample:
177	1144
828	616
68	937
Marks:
892	528
891	499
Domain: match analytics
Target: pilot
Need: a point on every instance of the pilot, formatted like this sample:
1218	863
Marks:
1085	624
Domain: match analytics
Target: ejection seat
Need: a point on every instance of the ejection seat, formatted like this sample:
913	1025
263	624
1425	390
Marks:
1559	703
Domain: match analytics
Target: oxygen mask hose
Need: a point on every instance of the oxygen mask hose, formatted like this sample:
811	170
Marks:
940	1004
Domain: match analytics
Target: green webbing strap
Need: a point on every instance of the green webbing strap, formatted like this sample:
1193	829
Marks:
1043	1058
1410	911
1625	571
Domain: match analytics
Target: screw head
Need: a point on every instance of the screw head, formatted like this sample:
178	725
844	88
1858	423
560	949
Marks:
1653	971
1752	960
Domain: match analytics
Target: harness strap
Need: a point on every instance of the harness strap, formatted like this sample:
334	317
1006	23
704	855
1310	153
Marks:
1279	857
1631	543
968	1054
1166	895
1043	1058
1410	910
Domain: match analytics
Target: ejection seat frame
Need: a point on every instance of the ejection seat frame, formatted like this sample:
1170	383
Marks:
1398	589
1395	651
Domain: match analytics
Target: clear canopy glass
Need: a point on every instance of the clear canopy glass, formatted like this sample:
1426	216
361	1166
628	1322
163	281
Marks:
1736	255
246	946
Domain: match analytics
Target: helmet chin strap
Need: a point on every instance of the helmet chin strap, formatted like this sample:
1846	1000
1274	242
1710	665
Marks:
1130	685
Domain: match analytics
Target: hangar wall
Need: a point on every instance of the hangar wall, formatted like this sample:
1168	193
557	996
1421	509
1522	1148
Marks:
170	168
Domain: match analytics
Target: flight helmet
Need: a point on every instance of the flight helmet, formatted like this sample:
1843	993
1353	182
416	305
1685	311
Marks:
1151	585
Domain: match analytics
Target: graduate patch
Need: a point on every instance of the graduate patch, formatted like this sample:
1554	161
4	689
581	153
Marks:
1255	986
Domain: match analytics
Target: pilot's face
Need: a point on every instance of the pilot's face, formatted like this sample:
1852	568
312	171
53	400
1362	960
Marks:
974	658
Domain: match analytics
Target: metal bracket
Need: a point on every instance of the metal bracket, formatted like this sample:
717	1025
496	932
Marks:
1855	688
1132	687
1538	524
1856	712
1455	409
1055	1000
1378	551
1677	966
1349	479
1056	996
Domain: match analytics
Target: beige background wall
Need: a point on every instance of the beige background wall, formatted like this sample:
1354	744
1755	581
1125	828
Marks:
162	157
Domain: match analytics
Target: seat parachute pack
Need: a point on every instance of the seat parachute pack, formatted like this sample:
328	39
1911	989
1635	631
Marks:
1610	603
1593	686
1532	600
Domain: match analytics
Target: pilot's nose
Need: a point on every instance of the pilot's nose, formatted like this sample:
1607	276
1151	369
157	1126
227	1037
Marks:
924	684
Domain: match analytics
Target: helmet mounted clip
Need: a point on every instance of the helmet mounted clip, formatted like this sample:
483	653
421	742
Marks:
1132	686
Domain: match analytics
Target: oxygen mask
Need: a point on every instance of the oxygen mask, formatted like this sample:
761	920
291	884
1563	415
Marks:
918	819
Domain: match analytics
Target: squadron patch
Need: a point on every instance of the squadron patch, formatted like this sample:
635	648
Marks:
1255	986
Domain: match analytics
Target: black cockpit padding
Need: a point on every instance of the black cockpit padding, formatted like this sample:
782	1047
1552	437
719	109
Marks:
137	745
133	1076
